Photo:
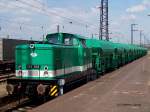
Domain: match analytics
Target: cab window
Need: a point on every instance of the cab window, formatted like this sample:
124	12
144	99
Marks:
83	43
75	42
54	39
68	41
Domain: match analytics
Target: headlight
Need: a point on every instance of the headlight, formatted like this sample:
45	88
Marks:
20	72
31	46
46	68
45	73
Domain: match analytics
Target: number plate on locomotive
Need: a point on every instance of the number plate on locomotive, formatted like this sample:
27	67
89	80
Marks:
33	66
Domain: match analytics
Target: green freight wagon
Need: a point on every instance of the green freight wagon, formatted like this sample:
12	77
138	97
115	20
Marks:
103	53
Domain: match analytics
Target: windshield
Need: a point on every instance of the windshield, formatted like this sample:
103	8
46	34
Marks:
53	39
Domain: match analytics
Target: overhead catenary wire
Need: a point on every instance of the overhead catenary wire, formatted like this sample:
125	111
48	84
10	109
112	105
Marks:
42	10
48	12
86	23
20	25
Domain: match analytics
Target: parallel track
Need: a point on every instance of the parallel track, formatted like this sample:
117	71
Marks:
8	102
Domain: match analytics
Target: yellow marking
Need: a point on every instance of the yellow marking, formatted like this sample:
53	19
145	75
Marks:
56	94
54	87
52	94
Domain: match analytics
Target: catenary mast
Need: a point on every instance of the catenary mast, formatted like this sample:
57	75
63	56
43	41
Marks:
104	26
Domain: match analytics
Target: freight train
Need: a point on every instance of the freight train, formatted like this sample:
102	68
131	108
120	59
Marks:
46	68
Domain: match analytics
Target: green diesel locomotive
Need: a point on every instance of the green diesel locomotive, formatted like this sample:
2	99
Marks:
45	68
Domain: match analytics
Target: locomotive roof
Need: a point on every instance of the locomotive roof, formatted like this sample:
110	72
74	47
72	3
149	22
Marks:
64	34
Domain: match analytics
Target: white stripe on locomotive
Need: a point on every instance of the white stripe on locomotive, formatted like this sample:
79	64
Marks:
53	73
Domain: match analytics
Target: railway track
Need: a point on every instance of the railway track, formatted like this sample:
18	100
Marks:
9	104
22	105
16	104
12	104
4	77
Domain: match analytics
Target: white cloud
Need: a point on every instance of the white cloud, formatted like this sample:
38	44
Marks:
22	19
78	17
25	13
137	8
146	3
20	6
130	17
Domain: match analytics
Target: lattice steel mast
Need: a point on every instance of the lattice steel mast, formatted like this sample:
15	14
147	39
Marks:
104	26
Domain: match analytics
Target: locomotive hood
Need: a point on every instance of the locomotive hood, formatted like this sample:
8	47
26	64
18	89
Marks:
33	60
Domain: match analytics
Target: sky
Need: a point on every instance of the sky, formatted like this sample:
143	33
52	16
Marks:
26	19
